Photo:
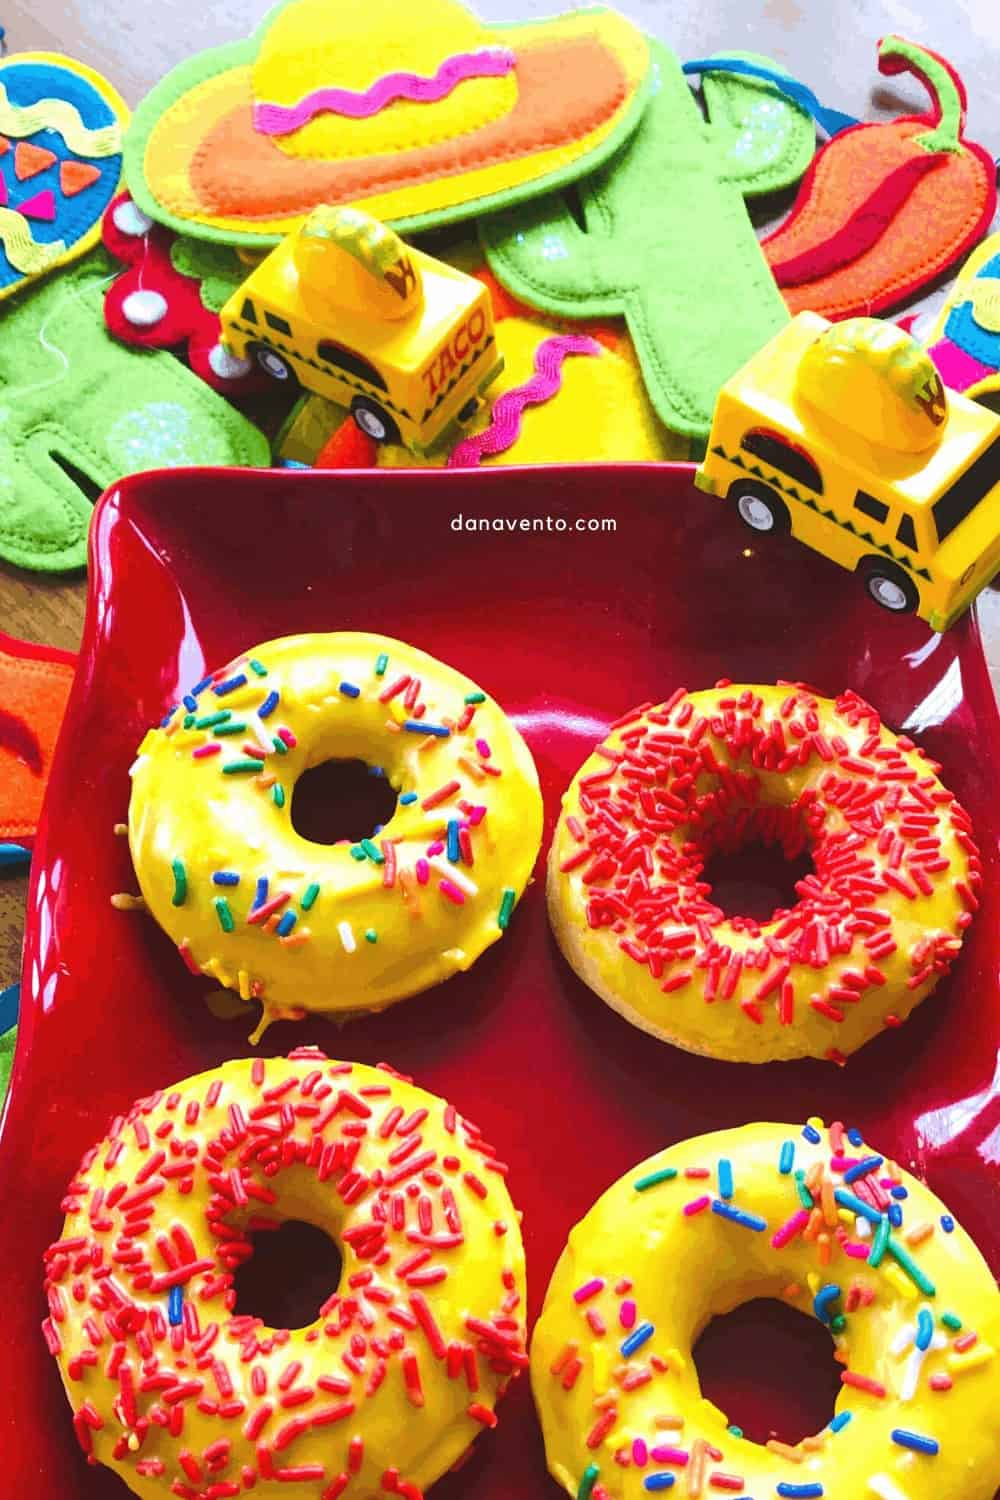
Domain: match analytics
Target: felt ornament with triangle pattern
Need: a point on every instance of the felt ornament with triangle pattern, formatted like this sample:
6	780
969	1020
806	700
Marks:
61	133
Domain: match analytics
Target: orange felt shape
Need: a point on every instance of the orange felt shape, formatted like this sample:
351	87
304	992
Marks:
74	176
29	160
34	686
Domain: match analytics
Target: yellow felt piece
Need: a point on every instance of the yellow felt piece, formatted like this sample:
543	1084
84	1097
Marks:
601	411
302	53
208	124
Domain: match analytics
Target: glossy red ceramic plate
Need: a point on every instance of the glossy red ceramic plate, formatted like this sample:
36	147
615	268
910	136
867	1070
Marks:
567	628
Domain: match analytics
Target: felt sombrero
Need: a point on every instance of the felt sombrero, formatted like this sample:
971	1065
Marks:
418	113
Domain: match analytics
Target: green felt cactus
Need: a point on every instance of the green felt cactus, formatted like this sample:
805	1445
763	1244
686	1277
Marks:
78	410
666	239
217	268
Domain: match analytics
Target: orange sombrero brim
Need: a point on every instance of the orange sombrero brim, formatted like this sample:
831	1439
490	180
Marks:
194	160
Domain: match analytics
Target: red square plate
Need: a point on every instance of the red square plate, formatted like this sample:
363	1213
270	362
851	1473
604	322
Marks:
568	628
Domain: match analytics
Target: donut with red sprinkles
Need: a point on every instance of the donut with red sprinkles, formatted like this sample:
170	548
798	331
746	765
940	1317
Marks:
181	1395
880	917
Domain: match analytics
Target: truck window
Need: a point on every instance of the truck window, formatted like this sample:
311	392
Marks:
278	324
869	506
345	359
967	491
906	534
787	457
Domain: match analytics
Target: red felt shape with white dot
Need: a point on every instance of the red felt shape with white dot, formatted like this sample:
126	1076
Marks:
153	306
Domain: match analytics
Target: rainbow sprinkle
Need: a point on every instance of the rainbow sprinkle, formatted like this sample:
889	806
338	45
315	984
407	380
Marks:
417	726
738	1216
636	1339
915	1441
175	1306
588	1481
665	1174
223	913
180	882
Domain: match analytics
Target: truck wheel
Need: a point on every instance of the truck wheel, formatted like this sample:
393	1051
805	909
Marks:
759	507
889	585
373	421
273	363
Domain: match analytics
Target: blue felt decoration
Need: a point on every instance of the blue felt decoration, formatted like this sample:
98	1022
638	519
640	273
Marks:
833	121
10	1005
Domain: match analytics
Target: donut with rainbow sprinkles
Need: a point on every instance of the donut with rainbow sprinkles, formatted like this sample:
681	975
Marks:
880	917
298	926
387	1387
816	1217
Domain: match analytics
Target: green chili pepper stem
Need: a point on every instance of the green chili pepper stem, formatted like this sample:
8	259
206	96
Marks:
896	55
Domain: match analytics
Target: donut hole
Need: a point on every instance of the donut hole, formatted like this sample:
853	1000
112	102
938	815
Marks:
753	862
771	1369
293	1270
341	799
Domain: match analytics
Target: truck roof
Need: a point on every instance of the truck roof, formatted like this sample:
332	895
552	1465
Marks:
276	284
766	386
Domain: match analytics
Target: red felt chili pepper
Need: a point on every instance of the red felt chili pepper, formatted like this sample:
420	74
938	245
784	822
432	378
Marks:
885	208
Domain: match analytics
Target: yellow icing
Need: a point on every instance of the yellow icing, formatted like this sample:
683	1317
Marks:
722	1029
703	1266
485	1281
188	809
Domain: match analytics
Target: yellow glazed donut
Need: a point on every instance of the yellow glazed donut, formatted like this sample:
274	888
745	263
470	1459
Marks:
402	1368
334	928
770	1211
880	918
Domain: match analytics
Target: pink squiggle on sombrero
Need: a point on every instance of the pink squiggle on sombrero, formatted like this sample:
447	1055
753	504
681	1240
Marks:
485	62
505	428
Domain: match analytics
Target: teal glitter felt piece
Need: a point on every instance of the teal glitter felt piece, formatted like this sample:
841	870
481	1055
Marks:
663	235
79	410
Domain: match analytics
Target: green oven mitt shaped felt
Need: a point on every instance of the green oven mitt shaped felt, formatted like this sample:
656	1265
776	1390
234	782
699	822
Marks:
79	410
666	238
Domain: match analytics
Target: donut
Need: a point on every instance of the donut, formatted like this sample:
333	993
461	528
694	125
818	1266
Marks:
181	1395
880	918
301	926
817	1218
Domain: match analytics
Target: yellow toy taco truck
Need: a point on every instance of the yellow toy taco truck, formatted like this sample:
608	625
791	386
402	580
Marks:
344	308
844	435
